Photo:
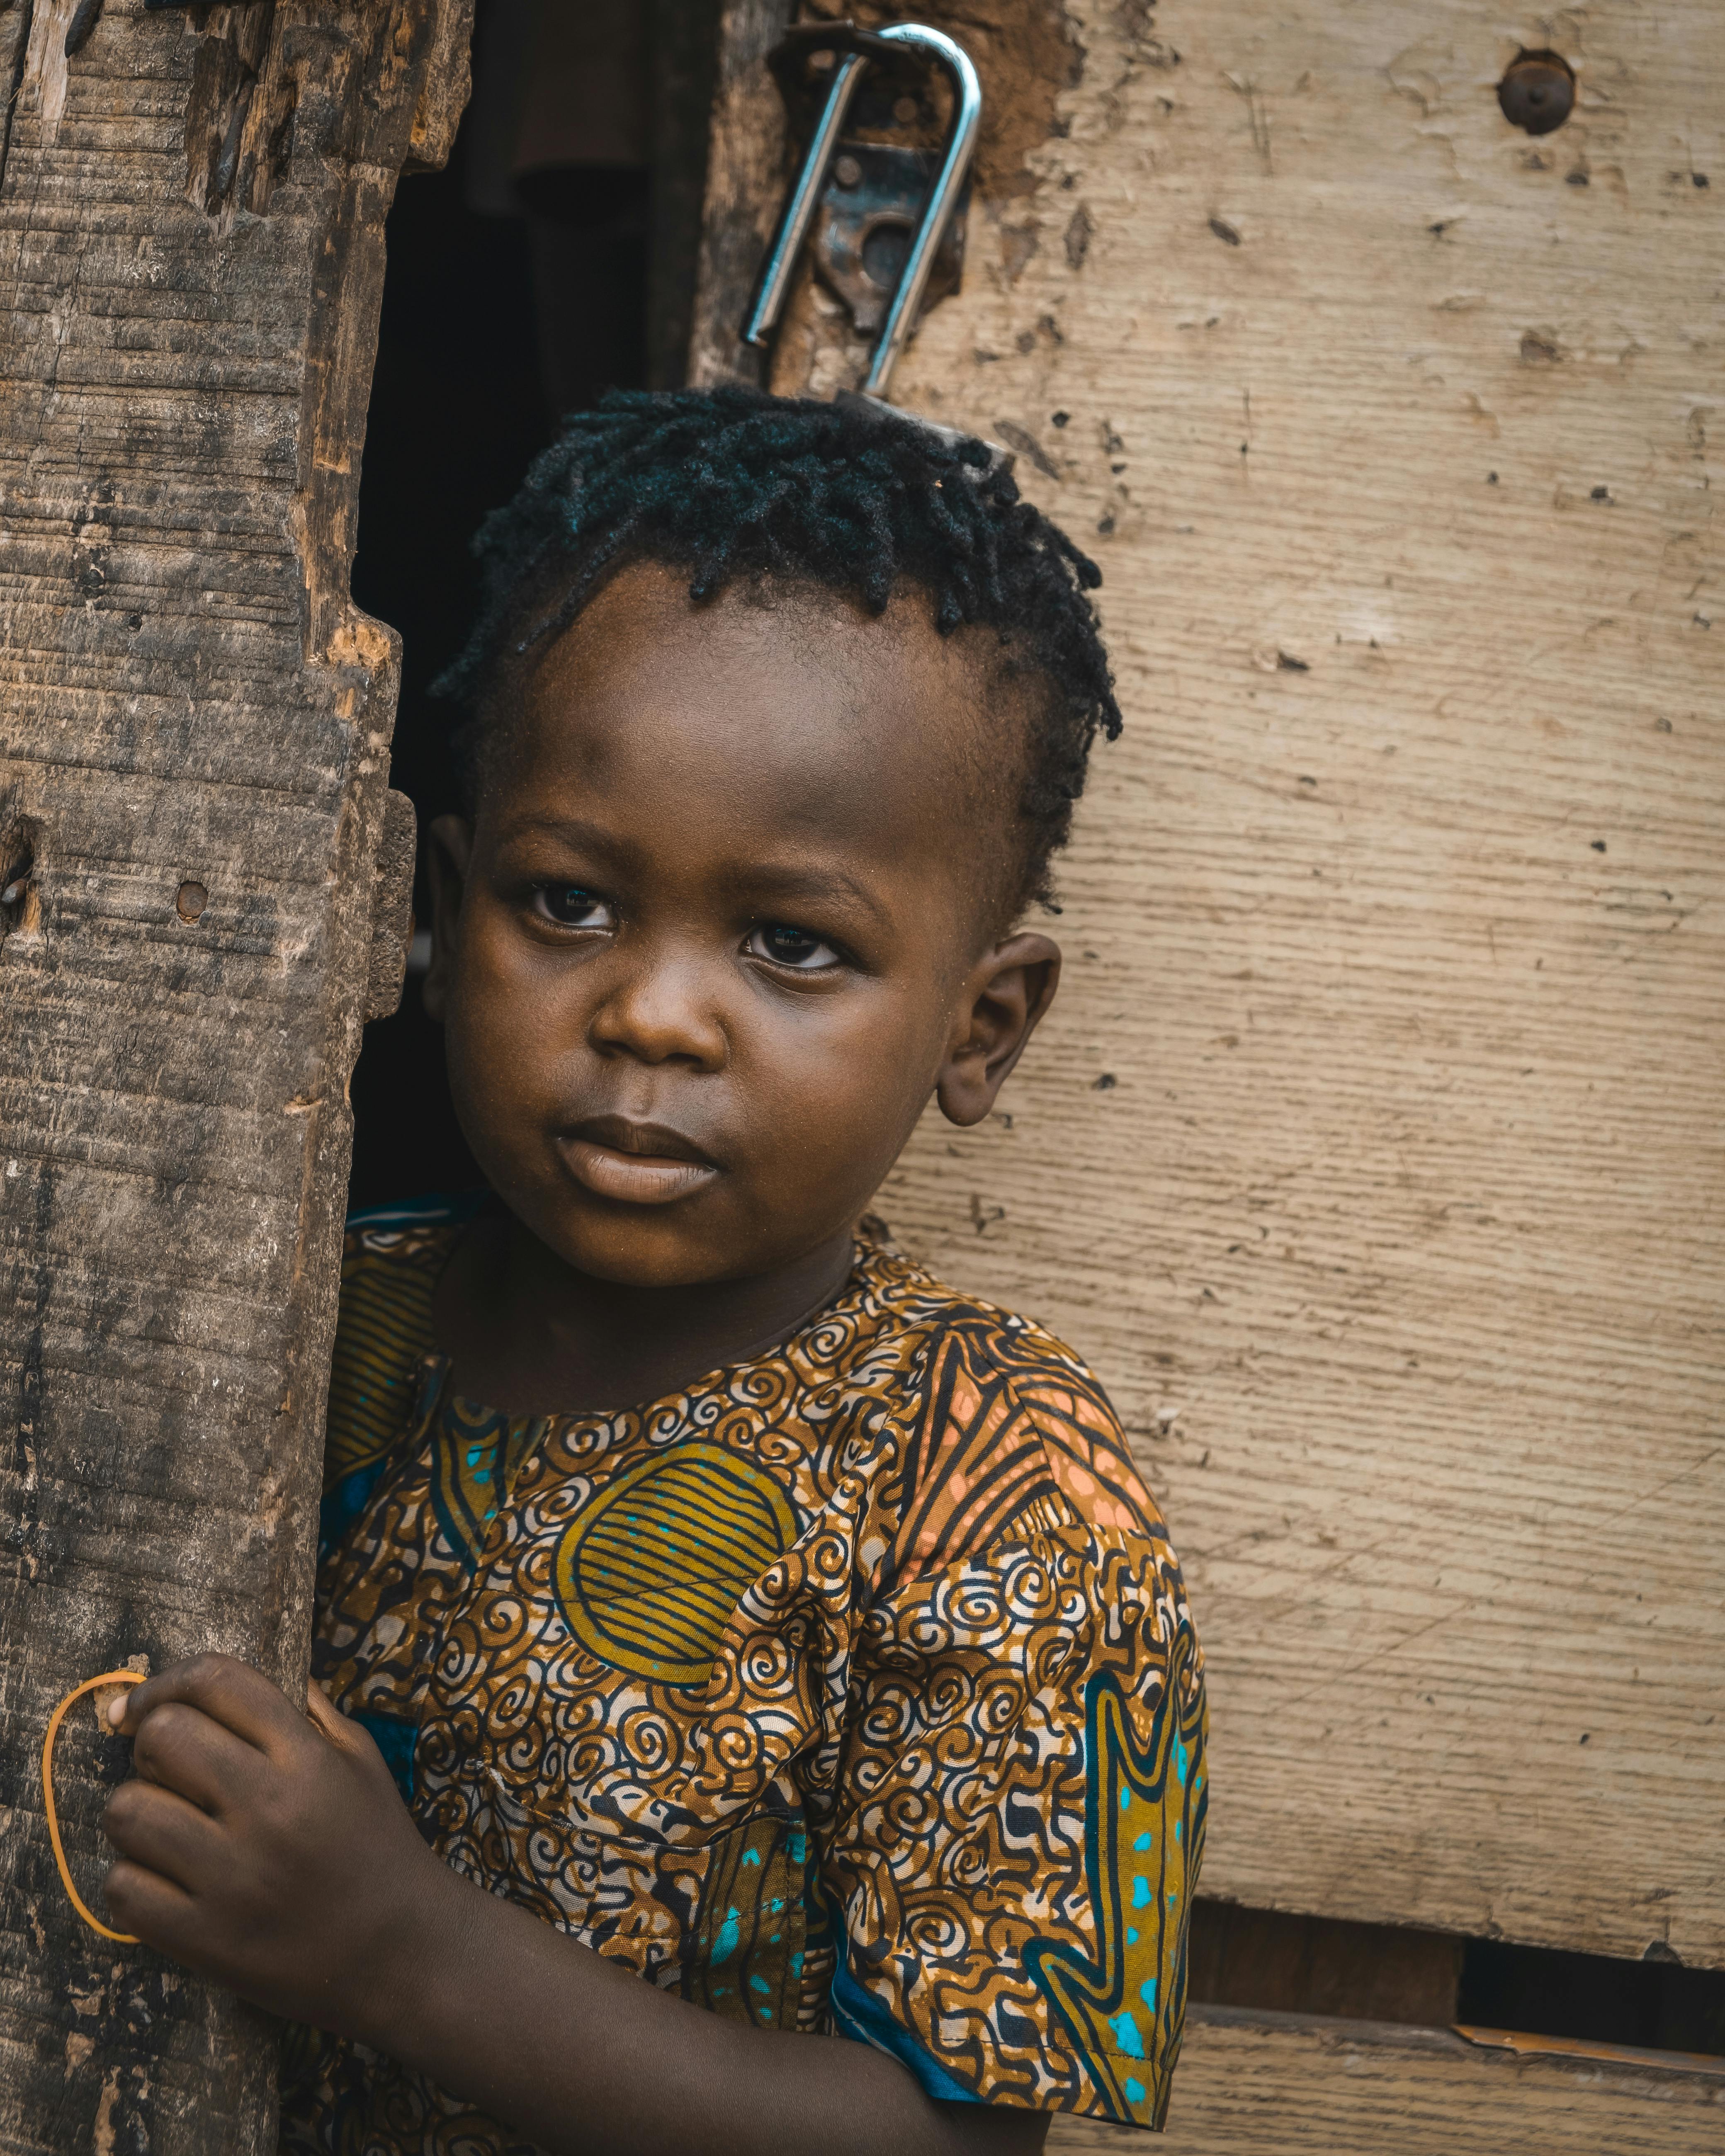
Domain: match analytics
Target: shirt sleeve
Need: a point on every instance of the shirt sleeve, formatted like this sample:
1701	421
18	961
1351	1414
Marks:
1010	1870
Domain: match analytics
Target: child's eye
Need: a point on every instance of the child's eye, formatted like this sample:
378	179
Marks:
572	905
797	947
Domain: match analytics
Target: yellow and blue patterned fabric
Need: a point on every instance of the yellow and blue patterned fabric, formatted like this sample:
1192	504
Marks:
852	1689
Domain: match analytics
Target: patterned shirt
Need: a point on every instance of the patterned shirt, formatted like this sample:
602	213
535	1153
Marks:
852	1689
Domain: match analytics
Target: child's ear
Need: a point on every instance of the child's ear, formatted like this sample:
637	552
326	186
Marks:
449	850
1002	1004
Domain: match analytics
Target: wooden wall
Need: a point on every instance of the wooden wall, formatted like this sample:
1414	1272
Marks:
1274	2085
1373	1152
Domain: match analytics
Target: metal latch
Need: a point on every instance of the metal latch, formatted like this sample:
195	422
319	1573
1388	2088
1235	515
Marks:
891	218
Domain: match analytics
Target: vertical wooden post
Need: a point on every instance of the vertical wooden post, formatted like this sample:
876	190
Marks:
208	880
744	176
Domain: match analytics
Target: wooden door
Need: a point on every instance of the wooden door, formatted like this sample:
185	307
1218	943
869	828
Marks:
1373	1152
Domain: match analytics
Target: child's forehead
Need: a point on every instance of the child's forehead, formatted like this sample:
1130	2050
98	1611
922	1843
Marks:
794	679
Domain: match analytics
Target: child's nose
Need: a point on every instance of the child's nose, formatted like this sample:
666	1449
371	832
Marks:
661	1005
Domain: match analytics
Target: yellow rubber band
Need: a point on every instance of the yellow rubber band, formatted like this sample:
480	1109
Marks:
54	1720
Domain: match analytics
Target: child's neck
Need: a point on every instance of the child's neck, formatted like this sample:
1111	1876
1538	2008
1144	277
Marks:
527	1334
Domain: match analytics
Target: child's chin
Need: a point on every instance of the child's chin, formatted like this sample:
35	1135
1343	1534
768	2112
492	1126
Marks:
648	1247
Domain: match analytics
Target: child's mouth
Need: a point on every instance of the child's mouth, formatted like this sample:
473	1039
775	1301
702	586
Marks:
634	1164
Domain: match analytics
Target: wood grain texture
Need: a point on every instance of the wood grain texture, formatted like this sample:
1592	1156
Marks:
194	763
1272	2085
745	175
1372	1153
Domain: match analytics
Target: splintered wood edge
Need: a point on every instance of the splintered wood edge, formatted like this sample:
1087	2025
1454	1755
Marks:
447	87
104	1697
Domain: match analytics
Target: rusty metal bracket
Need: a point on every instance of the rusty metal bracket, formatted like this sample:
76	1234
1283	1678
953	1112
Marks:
867	220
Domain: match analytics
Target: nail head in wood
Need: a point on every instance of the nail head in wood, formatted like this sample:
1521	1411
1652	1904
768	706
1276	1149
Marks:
1538	92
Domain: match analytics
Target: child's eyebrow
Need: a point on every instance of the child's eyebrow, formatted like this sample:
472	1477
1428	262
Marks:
786	885
573	830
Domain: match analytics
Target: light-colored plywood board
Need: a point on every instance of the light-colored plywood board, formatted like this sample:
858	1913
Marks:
1373	1152
1271	2086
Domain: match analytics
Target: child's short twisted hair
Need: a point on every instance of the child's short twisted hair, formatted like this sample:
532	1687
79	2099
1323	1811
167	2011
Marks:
735	486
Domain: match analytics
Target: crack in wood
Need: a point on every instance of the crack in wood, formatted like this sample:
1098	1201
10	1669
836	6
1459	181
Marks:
233	160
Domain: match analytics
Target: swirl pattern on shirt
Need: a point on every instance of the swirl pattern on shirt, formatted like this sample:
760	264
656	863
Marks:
804	1693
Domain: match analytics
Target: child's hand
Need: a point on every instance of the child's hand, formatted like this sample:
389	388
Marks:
267	1847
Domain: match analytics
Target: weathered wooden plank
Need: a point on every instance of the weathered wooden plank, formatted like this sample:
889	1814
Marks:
744	172
1373	1150
195	742
1274	2085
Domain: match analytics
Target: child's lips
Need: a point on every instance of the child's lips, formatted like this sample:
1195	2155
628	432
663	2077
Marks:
623	1163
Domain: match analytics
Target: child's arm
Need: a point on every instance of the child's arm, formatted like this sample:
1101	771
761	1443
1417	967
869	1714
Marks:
275	1857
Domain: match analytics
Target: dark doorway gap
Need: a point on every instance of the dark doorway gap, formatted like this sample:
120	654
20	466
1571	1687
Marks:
1273	1962
457	412
1269	1961
561	282
1657	2005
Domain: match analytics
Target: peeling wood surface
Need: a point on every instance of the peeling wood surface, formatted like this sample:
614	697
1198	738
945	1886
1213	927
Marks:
1273	2084
193	762
1373	1152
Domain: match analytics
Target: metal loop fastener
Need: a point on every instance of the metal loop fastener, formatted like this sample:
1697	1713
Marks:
859	50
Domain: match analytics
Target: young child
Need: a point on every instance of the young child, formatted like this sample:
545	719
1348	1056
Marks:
709	1596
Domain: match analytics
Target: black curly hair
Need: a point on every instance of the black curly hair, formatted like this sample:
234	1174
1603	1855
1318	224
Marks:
739	486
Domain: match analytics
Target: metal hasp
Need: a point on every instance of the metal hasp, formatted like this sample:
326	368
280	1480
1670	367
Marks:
857	48
861	235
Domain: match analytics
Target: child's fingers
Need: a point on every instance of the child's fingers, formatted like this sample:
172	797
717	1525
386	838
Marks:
162	1832
321	1713
149	1907
240	1698
180	1747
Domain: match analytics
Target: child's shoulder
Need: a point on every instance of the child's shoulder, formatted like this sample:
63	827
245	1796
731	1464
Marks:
391	1257
413	1235
1009	1421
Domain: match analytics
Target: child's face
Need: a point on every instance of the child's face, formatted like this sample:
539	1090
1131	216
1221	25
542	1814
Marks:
720	927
